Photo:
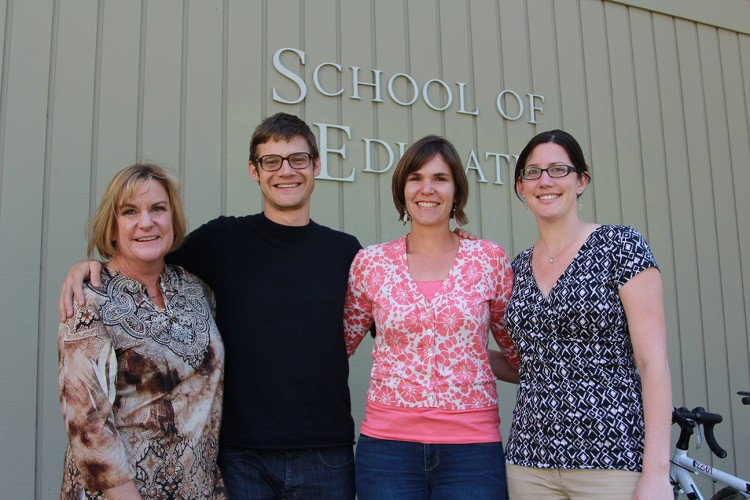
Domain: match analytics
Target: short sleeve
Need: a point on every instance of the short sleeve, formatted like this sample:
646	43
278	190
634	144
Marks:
633	256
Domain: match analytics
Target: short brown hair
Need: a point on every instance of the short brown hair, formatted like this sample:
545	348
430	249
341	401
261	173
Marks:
282	127
122	186
415	157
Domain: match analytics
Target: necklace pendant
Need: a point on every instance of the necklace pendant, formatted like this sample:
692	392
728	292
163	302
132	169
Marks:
551	260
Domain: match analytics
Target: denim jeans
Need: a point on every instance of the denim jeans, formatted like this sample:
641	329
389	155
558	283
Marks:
401	470
325	473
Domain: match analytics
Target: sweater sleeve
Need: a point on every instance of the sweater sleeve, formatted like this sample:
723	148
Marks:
503	276
87	379
358	316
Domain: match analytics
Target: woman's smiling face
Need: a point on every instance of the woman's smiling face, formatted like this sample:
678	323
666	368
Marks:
551	197
143	227
429	193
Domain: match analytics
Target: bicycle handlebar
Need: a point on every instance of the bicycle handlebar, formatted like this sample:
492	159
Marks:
688	419
699	414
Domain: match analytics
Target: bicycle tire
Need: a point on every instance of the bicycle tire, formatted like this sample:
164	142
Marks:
728	493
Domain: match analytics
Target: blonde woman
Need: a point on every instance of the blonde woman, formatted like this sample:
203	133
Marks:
141	361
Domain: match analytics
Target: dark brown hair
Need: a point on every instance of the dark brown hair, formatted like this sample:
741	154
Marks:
562	139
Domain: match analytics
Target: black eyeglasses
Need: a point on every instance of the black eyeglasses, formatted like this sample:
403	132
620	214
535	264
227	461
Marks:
271	163
555	171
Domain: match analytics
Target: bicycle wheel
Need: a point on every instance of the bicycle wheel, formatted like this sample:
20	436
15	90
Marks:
728	493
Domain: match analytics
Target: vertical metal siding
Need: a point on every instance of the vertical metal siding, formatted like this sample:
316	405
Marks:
659	102
26	67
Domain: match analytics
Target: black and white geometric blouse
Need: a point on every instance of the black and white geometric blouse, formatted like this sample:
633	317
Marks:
579	401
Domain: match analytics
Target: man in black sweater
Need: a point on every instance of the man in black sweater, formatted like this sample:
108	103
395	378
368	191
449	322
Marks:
279	280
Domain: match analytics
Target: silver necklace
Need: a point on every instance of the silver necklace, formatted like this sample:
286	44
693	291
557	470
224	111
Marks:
552	258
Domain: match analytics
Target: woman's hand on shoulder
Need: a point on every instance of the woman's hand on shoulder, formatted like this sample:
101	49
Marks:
465	234
72	287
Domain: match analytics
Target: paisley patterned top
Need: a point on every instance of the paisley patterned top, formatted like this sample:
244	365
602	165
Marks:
579	401
430	354
141	390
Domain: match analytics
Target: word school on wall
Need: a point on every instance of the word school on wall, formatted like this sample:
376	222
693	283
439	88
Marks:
400	89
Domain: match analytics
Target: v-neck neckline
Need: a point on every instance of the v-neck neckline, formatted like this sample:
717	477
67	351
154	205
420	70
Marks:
565	272
415	283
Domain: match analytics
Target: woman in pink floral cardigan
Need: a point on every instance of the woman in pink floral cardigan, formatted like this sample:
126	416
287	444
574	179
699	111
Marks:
432	425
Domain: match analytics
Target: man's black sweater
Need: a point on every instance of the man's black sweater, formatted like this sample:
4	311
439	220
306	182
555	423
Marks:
280	297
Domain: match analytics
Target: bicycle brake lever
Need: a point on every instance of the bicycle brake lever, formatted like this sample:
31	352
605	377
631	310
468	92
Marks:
699	436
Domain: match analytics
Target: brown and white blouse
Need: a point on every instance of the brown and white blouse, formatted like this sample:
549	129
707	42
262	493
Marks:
141	390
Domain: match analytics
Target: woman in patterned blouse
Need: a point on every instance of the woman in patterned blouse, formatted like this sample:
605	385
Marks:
432	426
593	411
141	361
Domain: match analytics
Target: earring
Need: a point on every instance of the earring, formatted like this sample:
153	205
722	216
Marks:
453	211
580	203
406	218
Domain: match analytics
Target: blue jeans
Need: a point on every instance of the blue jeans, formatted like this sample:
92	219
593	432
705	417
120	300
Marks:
324	473
401	470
